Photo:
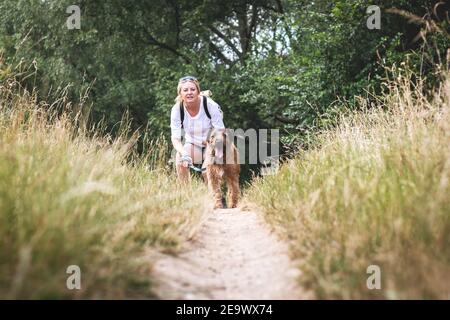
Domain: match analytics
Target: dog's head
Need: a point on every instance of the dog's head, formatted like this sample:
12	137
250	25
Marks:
217	142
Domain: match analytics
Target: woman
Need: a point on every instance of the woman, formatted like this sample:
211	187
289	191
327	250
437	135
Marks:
192	117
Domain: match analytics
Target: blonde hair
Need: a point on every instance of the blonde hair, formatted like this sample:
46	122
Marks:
206	93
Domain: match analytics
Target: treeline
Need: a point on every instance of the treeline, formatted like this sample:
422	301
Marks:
269	63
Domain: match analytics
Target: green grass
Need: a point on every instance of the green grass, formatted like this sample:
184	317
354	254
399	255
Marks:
70	196
376	190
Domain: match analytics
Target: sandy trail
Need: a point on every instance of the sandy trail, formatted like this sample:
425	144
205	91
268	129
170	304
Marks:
233	256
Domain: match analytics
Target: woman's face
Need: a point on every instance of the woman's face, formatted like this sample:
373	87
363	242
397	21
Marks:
189	92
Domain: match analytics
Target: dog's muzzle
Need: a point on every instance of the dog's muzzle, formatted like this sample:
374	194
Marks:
218	149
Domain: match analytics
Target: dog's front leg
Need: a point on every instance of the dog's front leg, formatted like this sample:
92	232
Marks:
233	190
214	184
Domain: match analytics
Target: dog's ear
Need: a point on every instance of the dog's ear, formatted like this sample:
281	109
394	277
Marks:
229	135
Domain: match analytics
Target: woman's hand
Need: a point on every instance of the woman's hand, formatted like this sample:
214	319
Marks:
186	161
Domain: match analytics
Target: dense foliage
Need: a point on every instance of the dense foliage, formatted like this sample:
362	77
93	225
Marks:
269	63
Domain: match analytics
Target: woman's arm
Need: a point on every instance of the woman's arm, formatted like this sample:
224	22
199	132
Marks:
176	133
176	130
178	145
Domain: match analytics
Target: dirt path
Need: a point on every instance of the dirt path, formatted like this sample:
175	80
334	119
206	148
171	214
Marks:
233	256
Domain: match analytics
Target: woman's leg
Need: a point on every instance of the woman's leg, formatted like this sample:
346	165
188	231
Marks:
195	152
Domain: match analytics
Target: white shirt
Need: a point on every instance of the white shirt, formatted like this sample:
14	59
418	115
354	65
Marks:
197	127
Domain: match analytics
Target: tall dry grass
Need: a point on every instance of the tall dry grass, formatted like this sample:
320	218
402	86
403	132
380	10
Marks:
376	191
74	196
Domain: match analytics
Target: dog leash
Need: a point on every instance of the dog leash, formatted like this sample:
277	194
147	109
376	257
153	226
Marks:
197	169
191	166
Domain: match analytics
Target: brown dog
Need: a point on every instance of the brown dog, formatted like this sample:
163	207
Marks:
222	163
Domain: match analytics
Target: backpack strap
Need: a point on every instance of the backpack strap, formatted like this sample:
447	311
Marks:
205	107
182	114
